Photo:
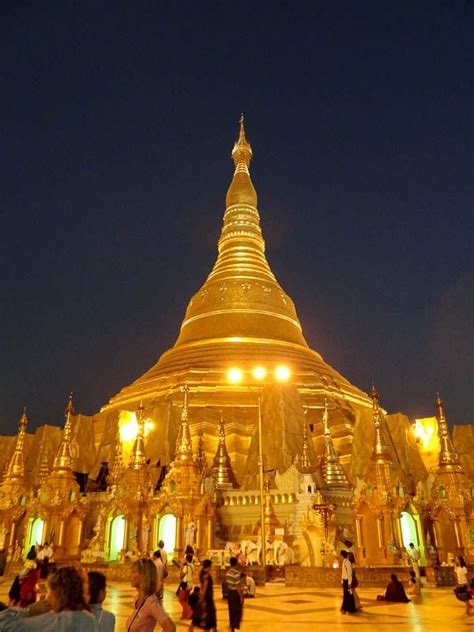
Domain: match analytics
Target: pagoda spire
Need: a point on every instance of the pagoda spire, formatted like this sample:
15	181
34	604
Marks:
331	468
381	453
305	463
16	468
137	456
448	456
184	446
222	470
117	464
63	460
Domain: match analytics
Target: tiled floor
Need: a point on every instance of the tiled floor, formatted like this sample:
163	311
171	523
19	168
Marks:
278	609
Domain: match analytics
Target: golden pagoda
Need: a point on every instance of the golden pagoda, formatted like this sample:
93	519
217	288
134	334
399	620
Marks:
331	468
240	316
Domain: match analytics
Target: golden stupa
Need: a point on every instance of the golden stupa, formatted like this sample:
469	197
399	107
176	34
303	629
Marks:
241	316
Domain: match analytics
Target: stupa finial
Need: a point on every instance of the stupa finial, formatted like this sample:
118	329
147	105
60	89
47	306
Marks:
448	455
222	470
137	456
241	190
63	459
184	446
331	468
16	467
305	463
381	453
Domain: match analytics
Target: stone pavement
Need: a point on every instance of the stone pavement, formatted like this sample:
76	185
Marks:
280	609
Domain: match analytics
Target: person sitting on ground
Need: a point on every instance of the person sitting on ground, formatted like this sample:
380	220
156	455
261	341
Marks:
248	585
29	583
64	610
414	586
97	589
394	591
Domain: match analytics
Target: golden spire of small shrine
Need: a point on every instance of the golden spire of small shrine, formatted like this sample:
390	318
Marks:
331	468
117	464
448	455
222	470
184	446
137	456
305	464
16	468
63	461
381	453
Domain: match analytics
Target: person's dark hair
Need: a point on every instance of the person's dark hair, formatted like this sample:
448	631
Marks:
233	561
161	544
343	554
206	564
412	545
393	577
351	557
189	550
243	575
97	583
67	584
462	561
189	558
157	554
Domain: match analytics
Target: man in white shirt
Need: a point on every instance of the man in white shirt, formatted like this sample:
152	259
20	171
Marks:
348	602
160	574
249	585
164	554
415	559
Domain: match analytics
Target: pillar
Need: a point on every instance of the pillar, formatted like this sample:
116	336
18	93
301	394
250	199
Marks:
179	534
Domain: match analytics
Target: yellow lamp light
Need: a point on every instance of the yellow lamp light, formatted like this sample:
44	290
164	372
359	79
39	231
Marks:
259	373
234	375
282	373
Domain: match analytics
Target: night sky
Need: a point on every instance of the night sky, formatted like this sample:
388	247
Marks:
117	123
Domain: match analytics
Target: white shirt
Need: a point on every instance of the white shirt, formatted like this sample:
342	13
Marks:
164	556
160	569
347	571
250	582
415	553
461	575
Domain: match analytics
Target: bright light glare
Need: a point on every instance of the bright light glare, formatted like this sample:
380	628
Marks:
129	427
424	433
259	373
234	375
282	373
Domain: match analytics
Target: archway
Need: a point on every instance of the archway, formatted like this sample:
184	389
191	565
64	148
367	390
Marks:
167	532
409	530
117	537
36	533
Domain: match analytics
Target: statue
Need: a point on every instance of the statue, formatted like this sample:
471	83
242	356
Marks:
189	534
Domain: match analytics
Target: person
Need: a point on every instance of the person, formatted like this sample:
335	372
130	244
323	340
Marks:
394	591
147	609
194	604
249	588
462	590
207	608
348	602
415	559
160	574
355	581
32	555
164	554
97	591
234	595
414	585
29	578
3	563
185	586
65	608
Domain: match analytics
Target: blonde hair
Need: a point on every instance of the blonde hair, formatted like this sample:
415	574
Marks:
147	570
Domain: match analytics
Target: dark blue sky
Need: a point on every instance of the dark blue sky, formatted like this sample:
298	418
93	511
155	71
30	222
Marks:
117	121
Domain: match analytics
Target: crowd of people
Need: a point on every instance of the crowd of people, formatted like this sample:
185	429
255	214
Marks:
46	598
